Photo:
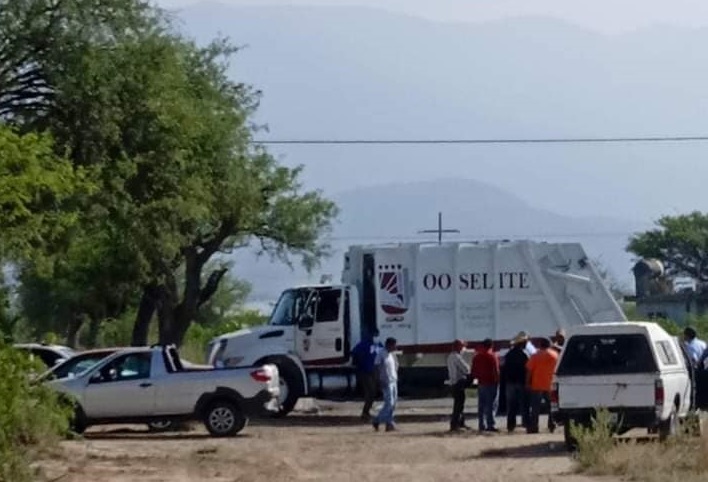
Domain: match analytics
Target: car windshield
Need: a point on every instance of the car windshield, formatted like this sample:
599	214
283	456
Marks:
606	355
77	365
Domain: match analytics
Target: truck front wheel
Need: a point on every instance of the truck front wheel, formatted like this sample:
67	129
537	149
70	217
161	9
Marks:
290	388
224	419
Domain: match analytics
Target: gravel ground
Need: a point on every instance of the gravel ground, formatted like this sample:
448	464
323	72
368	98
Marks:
332	444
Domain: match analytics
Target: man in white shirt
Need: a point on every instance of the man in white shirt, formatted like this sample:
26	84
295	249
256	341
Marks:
458	374
387	364
695	347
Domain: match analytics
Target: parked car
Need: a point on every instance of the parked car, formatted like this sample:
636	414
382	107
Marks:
143	385
637	371
51	355
83	361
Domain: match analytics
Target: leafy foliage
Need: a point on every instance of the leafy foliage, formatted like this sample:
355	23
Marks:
32	416
680	242
37	194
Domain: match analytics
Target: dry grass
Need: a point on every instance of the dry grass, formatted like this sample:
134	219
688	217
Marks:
682	459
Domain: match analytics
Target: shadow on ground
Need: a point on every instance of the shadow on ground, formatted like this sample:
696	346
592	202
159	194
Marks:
346	420
529	451
136	434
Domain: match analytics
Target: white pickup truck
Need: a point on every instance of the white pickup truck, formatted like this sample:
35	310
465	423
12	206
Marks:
637	371
141	385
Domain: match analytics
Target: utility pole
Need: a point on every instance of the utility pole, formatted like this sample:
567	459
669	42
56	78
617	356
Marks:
440	229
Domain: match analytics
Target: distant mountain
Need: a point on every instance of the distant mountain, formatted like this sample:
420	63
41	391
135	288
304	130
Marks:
396	212
350	72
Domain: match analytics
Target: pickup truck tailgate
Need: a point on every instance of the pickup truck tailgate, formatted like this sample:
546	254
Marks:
606	391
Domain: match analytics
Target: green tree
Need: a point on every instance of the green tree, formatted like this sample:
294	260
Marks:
47	52
680	242
245	197
41	38
168	138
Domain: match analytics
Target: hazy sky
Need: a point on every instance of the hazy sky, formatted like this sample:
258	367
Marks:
610	16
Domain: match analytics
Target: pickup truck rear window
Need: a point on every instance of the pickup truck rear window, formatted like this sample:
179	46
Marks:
606	355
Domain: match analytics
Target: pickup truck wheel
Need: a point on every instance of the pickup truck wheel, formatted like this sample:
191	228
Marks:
223	419
160	426
669	427
78	423
571	444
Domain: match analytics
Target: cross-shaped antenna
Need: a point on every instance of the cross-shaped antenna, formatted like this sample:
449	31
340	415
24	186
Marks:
440	229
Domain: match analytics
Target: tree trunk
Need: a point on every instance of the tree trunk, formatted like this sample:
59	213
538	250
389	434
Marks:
175	316
94	326
166	308
146	309
72	334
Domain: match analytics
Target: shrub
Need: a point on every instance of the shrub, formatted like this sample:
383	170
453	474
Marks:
32	417
681	459
595	442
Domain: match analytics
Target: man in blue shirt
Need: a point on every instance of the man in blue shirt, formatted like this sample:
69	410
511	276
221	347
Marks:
364	358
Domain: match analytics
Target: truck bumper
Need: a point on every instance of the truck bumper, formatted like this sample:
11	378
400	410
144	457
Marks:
262	405
621	417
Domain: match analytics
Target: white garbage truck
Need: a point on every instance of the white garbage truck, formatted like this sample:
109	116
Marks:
425	296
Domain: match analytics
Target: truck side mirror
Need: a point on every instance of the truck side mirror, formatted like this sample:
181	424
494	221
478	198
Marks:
306	322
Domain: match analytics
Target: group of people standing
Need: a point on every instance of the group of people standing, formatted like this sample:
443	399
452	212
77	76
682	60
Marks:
528	376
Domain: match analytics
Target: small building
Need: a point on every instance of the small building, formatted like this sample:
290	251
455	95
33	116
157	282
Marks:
656	297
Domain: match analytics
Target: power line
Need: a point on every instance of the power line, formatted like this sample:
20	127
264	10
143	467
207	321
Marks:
408	237
569	140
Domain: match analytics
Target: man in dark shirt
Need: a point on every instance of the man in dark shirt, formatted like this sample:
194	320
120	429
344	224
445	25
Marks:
364	357
515	375
485	368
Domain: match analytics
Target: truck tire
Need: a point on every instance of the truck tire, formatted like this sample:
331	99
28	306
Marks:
224	419
159	426
571	444
290	387
78	423
669	428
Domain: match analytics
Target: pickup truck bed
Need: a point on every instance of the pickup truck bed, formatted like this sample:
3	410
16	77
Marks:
140	385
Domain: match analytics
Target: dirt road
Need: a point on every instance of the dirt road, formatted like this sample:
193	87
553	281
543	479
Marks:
331	446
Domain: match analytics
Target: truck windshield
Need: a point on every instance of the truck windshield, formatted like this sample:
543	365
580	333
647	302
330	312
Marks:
606	355
288	308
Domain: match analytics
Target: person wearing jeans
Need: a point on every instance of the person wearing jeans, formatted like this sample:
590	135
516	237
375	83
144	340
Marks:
515	377
485	368
540	369
364	356
388	373
458	373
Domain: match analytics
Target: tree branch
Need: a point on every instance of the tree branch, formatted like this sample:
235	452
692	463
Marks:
211	286
211	246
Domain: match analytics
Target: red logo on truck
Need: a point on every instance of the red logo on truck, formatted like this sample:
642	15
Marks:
393	299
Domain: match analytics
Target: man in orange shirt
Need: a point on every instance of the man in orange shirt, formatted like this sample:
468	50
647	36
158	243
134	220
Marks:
540	369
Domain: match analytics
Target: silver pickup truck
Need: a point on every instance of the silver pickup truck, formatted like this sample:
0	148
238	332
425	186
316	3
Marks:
140	385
